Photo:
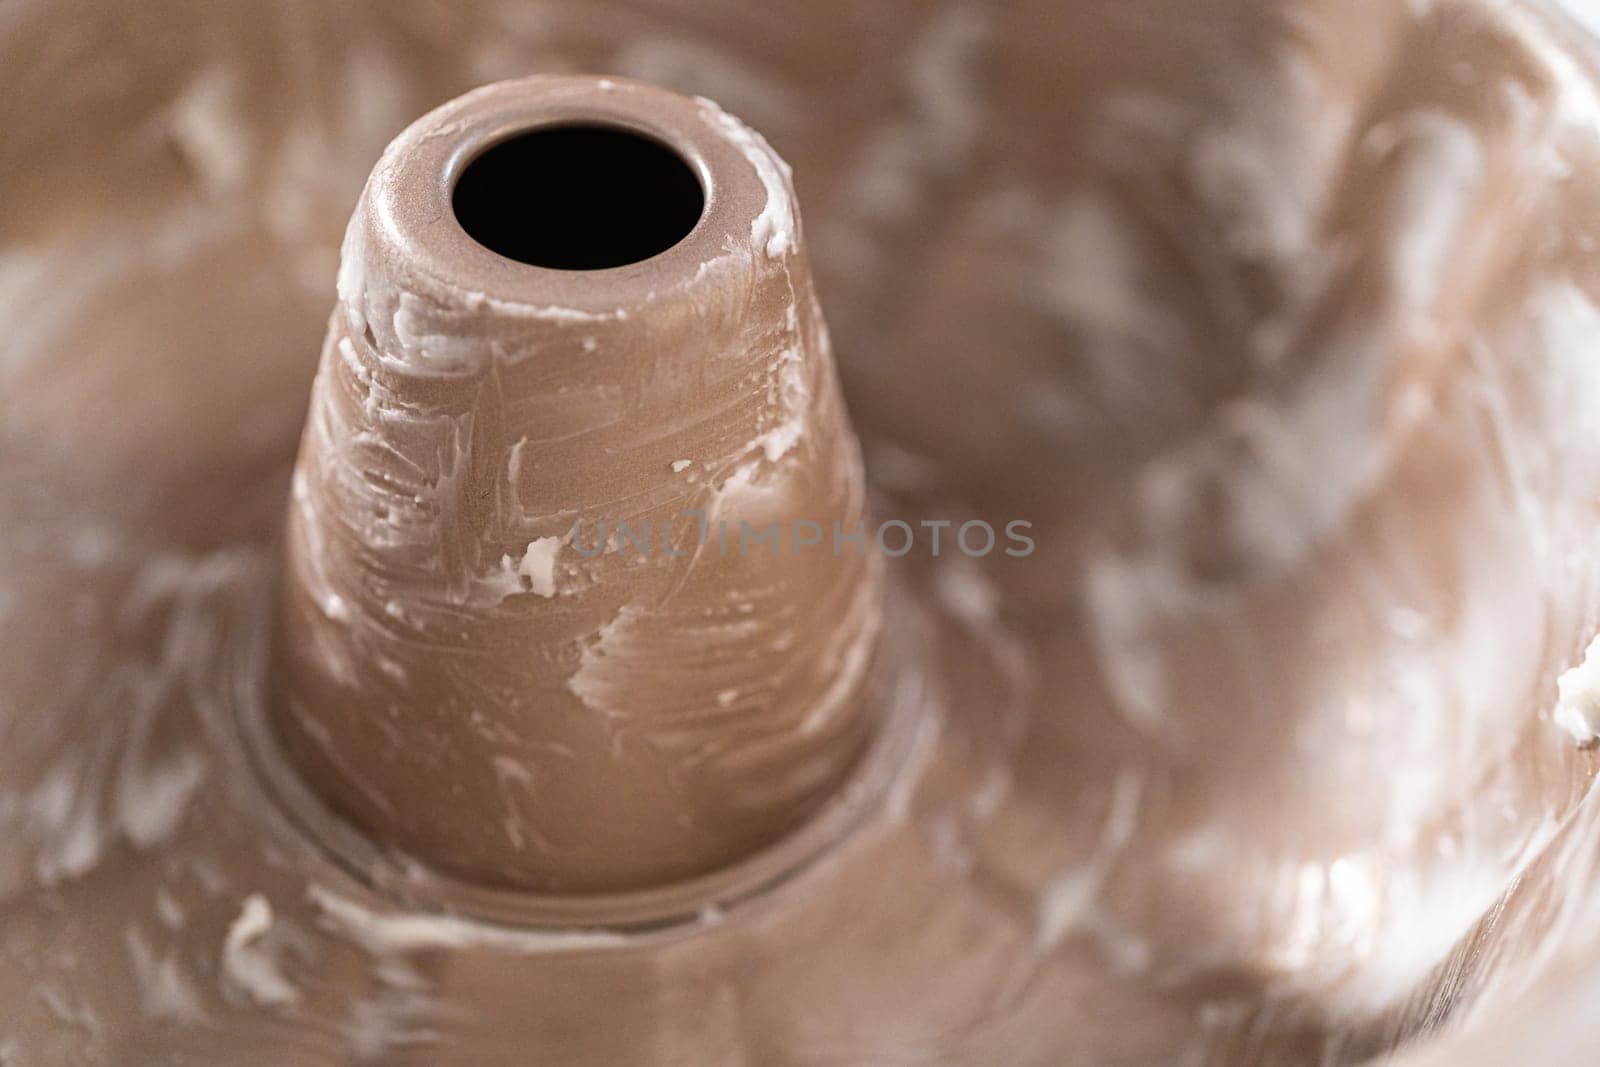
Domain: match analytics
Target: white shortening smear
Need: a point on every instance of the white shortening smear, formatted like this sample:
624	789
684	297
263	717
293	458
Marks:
1070	895
773	229
476	301
1578	710
538	565
1125	601
208	128
247	963
534	571
597	681
1435	198
781	439
165	991
384	934
352	278
1577	103
793	397
1586	11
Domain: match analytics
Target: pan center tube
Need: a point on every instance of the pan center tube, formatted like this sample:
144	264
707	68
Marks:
575	598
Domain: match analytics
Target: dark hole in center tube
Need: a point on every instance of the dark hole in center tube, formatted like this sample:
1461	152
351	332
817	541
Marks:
578	198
